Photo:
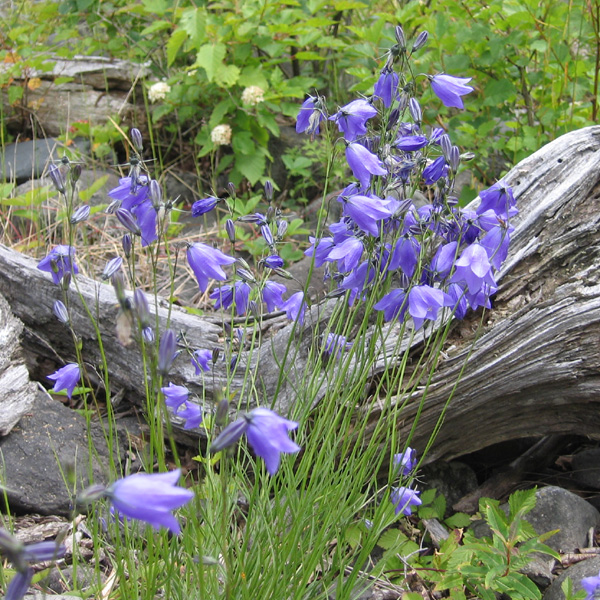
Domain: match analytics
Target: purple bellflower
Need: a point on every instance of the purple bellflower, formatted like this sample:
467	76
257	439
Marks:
150	498
424	302
273	262
60	260
66	378
336	344
206	262
295	307
19	584
366	212
146	216
167	351
201	360
498	198
363	164
267	434
386	87
175	395
192	413
435	170
393	305
310	116
348	254
405	255
272	295
404	499
124	195
591	585
411	143
320	248
474	269
449	89
405	462
352	118
496	242
237	294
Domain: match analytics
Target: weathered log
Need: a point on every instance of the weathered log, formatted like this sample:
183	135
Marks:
533	371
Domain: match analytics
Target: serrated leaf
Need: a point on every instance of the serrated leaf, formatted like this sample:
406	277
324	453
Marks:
219	111
391	538
243	143
154	27
515	583
521	502
251	166
458	521
174	44
227	76
192	22
210	58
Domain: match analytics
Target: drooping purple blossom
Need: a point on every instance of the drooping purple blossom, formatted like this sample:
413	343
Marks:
267	434
336	344
175	395
146	216
167	351
237	294
393	305
295	307
66	378
405	255
273	262
498	198
201	361
206	262
449	89
356	281
591	585
348	254
405	462
366	212
363	164
386	87
424	303
59	261
150	498
111	267
411	143
128	199
404	499
474	269
435	170
192	413
496	242
310	116
272	293
458	300
352	118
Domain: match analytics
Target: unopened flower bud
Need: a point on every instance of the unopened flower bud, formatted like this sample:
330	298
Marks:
243	263
454	158
136	139
415	110
467	156
126	243
271	211
446	145
65	282
400	38
253	309
140	302
230	229
268	191
231	189
282	227
58	179
81	214
215	355
112	266
221	412
90	494
420	41
128	221
76	173
392	119
61	312
267	234
166	351
148	334
118	283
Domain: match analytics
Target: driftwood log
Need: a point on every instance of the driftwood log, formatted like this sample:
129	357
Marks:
534	370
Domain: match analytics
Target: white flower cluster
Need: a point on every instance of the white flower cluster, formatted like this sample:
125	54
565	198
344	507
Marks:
253	95
158	91
221	135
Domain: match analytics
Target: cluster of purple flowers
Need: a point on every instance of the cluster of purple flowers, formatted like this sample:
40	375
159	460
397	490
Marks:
413	258
404	498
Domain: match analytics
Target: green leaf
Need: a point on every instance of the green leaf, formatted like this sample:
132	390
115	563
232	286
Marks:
458	521
210	58
521	502
15	93
227	76
219	111
391	538
175	42
5	189
243	143
154	27
193	23
251	166
86	194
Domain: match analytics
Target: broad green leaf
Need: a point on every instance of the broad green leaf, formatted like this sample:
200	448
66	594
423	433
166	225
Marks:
251	166
391	538
521	502
219	111
227	75
243	143
193	23
154	27
210	58
177	39
5	189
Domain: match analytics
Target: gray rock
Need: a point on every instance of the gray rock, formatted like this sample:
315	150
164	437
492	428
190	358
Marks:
586	568
27	160
586	467
50	439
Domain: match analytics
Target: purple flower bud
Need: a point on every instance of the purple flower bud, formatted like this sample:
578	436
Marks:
166	351
126	243
282	227
148	334
136	139
269	191
454	160
65	281
420	41
400	38
57	177
155	192
446	145
128	221
230	229
140	302
273	262
201	207
81	214
265	231
231	189
192	413
415	110
112	266
61	312
405	462
75	174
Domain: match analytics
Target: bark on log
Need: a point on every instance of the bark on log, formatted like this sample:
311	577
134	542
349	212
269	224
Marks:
534	370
